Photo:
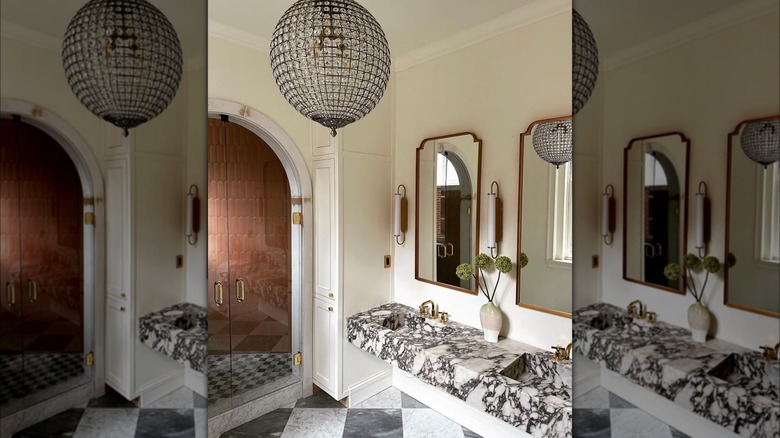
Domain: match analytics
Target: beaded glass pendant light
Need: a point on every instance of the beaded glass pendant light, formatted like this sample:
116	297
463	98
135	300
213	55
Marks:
331	60
552	141
123	61
761	141
585	62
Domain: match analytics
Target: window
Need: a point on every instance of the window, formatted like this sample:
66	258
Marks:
768	235
560	237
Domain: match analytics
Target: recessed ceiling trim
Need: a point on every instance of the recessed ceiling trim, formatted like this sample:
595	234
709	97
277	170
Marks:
29	36
521	17
223	31
728	17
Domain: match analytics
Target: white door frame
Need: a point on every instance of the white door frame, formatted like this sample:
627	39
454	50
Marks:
302	236
94	236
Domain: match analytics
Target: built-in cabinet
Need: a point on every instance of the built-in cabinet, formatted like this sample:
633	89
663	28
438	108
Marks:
144	236
353	233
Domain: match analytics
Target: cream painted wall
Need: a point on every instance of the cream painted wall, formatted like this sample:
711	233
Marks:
495	89
703	89
242	74
39	79
195	256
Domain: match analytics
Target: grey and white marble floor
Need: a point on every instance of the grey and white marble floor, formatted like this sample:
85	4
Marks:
179	414
601	414
391	413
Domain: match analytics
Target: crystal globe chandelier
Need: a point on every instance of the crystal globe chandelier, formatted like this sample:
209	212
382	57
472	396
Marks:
123	61
331	60
552	141
585	62
761	141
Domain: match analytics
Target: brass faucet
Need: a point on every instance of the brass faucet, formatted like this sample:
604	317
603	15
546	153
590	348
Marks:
632	309
424	309
652	317
770	353
560	354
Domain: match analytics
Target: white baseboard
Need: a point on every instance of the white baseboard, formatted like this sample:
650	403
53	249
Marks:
369	387
662	408
454	408
587	375
196	381
161	387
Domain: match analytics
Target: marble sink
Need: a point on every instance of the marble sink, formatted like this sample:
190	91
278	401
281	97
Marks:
748	371
530	367
179	332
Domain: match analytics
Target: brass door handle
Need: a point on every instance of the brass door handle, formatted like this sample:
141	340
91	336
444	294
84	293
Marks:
32	290
218	293
10	293
240	292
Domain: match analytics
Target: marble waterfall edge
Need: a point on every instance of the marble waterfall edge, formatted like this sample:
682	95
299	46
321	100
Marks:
456	358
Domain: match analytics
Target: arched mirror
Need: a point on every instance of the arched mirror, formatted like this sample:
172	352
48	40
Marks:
447	213
655	181
753	222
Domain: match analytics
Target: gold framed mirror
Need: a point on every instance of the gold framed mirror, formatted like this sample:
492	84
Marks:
655	216
447	209
545	283
752	227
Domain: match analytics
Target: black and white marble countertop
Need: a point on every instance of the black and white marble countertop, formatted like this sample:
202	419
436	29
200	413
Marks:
456	358
722	382
179	331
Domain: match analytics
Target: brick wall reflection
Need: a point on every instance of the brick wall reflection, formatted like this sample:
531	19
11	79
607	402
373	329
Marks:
249	239
42	242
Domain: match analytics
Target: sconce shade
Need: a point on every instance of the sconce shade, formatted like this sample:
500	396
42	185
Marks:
608	214
491	218
331	60
761	141
552	141
585	62
702	225
123	61
397	216
192	218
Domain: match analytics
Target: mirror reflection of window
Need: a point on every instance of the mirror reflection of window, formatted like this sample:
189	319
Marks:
560	237
769	212
453	217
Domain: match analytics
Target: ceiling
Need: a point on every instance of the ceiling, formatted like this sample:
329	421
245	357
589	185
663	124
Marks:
618	25
408	24
189	22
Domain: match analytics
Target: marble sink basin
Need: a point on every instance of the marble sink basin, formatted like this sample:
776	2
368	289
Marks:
407	321
610	320
748	371
399	320
529	367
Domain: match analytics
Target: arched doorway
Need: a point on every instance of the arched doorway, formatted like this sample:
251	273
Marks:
51	259
257	181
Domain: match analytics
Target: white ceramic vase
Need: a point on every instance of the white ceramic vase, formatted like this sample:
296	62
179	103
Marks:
491	319
699	321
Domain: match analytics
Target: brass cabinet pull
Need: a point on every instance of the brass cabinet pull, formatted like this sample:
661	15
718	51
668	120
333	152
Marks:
10	293
122	295
122	309
330	309
240	293
330	294
32	290
218	293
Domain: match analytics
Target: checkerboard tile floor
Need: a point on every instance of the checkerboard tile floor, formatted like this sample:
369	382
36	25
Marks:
246	372
179	414
36	372
602	414
391	413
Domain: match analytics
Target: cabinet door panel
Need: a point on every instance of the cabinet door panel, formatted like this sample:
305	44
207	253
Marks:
325	230
118	343
324	363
